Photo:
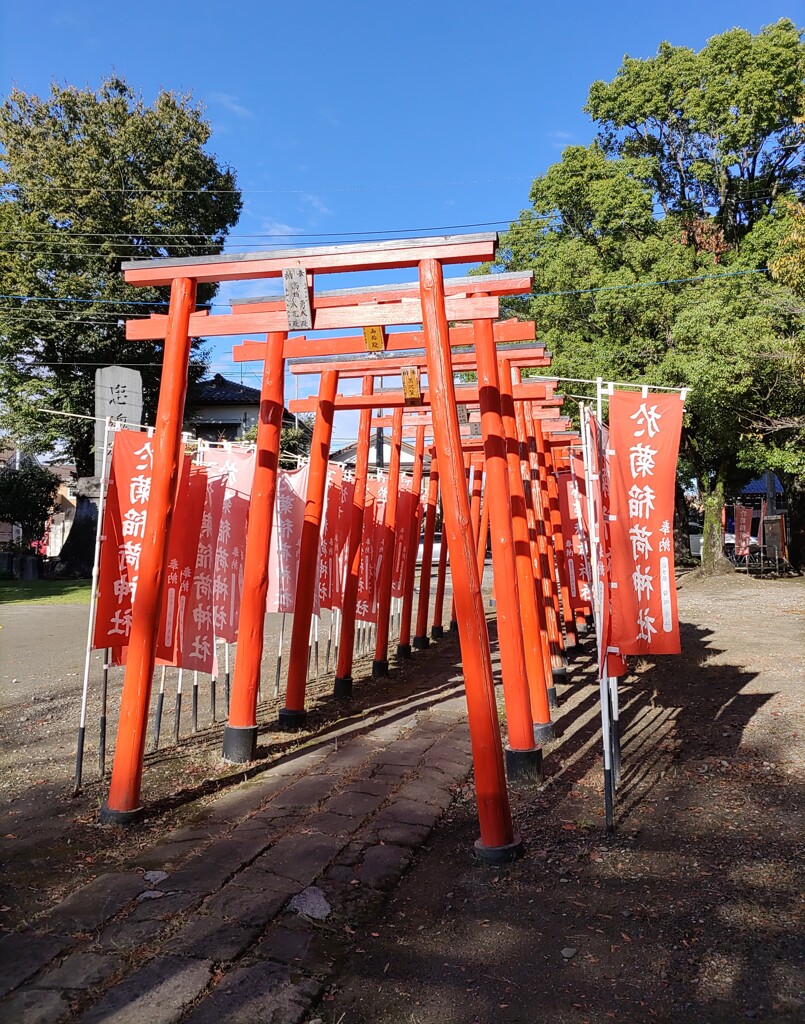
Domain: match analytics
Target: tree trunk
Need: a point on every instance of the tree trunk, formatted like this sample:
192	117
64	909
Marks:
713	560
681	520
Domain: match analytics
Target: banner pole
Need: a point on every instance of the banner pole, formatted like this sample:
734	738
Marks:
178	709
279	657
195	702
213	679
160	703
226	675
102	723
93	605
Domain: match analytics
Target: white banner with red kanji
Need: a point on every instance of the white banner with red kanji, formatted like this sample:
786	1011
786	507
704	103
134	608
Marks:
236	464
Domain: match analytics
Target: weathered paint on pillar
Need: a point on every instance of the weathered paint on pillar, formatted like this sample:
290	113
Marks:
497	841
293	715
437	628
404	640
380	665
342	686
499	517
535	638
421	640
123	800
240	734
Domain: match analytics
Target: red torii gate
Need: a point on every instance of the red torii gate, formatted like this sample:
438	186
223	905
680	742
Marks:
431	308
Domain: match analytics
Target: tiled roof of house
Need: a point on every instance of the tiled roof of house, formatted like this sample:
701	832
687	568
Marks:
220	391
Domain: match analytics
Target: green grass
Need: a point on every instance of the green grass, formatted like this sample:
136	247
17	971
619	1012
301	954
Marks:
45	591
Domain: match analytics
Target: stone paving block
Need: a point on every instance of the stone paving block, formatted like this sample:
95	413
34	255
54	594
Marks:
307	793
426	791
128	934
22	954
382	866
356	804
353	754
84	970
208	937
377	786
199	875
157	993
88	907
402	834
399	756
408	812
269	821
34	1006
333	824
301	857
173	849
248	907
261	993
259	878
296	942
391	773
297	762
162	909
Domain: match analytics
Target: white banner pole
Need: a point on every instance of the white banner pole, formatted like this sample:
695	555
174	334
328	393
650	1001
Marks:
93	604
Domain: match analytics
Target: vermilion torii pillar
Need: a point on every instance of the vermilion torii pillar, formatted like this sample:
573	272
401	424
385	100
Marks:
123	801
380	665
404	639
421	640
342	685
240	733
498	841
294	714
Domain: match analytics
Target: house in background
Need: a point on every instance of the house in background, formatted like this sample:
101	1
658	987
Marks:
225	410
347	455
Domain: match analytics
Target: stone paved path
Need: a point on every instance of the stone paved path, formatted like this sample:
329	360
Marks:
237	918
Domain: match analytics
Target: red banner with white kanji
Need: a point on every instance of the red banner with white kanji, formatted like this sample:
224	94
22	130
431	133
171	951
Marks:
122	532
403	528
743	530
374	530
180	561
643	443
578	577
342	532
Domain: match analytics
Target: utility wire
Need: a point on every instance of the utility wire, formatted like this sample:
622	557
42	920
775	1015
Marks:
20	313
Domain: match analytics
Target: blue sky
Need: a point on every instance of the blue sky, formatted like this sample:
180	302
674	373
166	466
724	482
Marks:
357	116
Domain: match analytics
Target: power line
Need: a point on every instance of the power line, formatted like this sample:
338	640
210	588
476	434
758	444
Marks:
268	191
644	284
264	234
15	311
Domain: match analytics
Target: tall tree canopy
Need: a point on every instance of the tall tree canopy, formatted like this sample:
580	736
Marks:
88	180
689	183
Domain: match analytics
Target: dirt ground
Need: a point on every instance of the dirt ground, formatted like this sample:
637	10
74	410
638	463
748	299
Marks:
690	911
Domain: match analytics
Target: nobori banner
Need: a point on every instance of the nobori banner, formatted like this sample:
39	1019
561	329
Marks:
643	446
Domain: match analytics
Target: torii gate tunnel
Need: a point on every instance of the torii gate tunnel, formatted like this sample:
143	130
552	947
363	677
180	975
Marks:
430	302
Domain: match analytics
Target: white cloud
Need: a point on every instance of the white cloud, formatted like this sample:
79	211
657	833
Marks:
317	203
230	103
276	227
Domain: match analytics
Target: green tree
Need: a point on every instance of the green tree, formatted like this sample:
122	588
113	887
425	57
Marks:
27	494
294	441
88	180
687	185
